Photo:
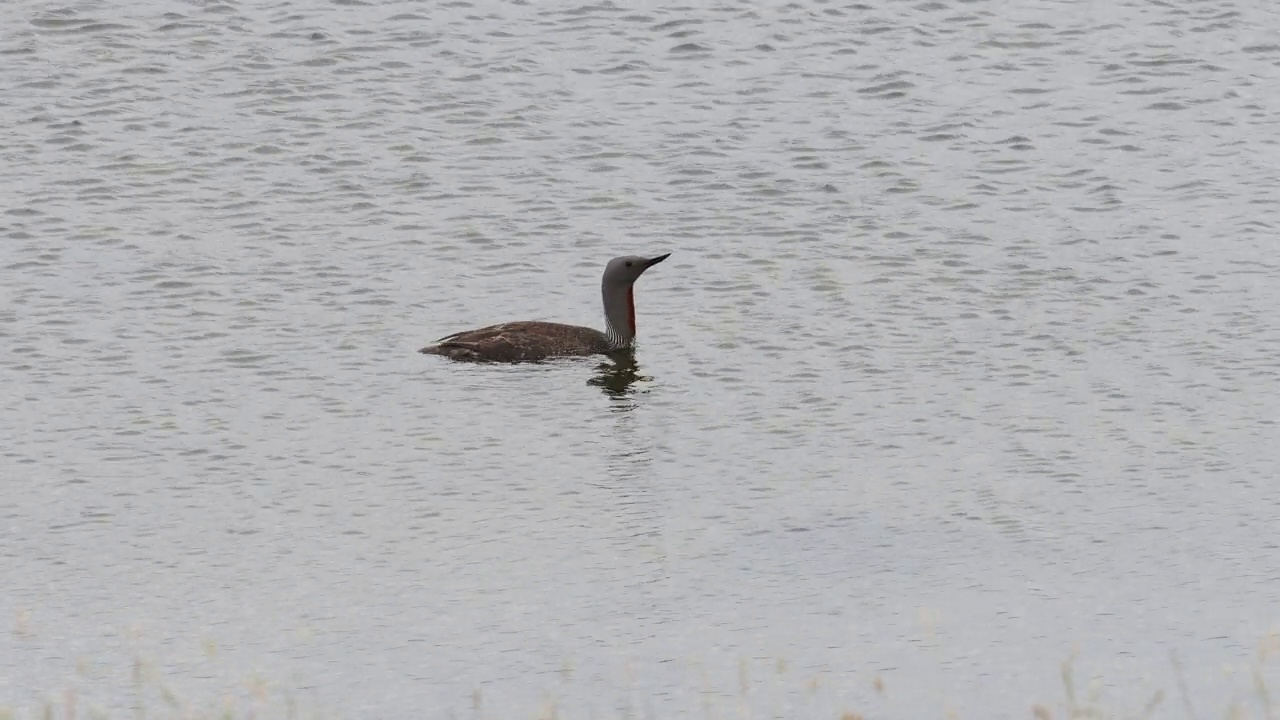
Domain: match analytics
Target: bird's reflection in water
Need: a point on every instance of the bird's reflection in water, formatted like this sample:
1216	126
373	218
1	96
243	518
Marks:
616	375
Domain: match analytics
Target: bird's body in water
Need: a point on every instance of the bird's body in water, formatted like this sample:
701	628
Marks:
533	340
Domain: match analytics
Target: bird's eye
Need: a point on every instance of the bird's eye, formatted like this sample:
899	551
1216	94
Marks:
628	263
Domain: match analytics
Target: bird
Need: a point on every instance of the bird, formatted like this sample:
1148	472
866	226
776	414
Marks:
534	340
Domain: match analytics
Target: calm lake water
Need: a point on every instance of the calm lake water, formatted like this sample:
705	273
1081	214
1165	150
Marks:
964	363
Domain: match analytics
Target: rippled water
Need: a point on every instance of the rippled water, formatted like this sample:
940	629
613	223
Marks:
965	359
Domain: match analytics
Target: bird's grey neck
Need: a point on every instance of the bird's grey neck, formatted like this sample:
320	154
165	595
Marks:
617	318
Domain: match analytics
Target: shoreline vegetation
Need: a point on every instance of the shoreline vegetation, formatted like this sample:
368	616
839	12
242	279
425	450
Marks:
151	695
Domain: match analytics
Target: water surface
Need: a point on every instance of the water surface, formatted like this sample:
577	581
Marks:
965	358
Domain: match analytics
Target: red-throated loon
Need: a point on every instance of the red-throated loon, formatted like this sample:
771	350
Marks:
533	340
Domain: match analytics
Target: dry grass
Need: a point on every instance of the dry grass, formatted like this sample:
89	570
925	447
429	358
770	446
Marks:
153	697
